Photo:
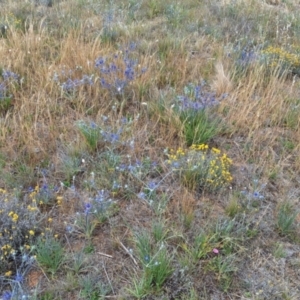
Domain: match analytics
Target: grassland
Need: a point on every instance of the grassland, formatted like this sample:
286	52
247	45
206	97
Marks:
149	149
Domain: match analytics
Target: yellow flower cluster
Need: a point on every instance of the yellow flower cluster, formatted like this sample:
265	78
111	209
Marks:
20	225
8	273
201	167
13	20
33	196
200	147
2	191
13	216
219	172
34	192
59	200
175	154
278	55
7	249
39	197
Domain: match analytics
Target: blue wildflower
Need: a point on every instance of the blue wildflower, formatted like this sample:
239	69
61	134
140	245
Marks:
142	195
7	295
101	196
196	98
18	277
175	164
86	80
87	207
129	73
117	74
122	167
45	187
93	125
6	74
99	62
113	67
105	84
258	195
153	164
120	85
2	90
69	228
152	186
246	57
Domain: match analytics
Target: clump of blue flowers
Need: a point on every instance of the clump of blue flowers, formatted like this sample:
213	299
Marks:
243	57
139	169
105	133
196	98
94	212
194	111
9	79
115	73
68	82
45	194
119	70
255	194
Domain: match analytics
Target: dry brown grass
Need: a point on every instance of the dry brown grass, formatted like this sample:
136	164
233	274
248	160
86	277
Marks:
39	131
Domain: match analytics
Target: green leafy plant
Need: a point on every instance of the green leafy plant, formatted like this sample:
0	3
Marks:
155	260
175	14
140	287
286	218
92	289
49	253
195	114
202	246
222	237
91	133
86	222
291	117
158	268
9	82
78	262
157	201
197	127
279	251
5	103
144	245
159	231
227	235
96	212
233	206
223	267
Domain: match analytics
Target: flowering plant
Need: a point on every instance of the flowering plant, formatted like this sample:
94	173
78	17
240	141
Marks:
199	167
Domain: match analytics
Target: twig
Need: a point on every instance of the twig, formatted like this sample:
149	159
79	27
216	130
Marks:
107	255
128	252
44	272
108	279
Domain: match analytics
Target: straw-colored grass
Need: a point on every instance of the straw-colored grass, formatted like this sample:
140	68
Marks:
86	149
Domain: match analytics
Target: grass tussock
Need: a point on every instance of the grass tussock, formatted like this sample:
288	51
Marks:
149	149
